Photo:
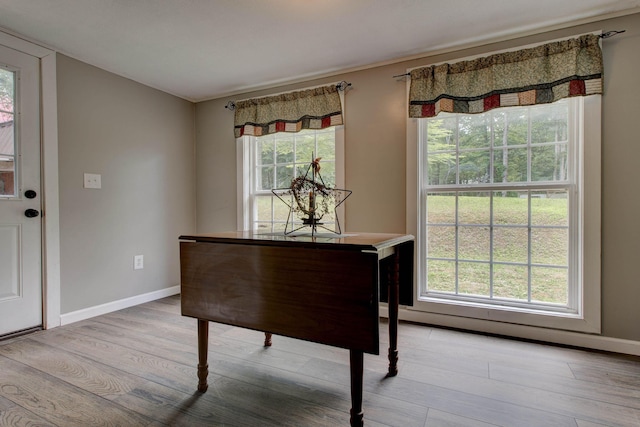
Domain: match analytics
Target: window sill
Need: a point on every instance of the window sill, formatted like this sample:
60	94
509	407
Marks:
563	320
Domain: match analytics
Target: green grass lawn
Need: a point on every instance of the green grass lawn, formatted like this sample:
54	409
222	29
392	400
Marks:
521	254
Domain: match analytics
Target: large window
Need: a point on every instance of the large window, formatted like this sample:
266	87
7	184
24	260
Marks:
501	210
273	161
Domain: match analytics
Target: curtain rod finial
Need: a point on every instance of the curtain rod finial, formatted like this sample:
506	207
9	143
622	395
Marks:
230	105
611	33
397	76
343	85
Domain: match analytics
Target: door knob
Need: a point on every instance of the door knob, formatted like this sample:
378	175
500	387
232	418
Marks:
31	213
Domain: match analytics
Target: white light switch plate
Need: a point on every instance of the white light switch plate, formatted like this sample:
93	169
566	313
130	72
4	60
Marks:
92	180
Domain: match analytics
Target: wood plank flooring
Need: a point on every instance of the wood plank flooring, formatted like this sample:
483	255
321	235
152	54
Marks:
137	367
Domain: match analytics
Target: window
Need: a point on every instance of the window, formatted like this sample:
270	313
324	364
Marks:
501	213
273	161
7	119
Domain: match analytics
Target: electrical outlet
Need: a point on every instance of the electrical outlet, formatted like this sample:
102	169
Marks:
92	180
138	262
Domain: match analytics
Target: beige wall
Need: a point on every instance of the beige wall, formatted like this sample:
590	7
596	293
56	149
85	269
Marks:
142	143
375	140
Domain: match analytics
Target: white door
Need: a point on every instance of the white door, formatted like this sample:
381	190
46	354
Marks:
20	198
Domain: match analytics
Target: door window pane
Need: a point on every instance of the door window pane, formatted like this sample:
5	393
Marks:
7	134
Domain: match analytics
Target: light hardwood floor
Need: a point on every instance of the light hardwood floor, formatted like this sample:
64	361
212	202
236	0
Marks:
137	367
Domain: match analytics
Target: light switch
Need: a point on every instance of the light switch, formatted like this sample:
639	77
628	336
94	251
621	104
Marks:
92	180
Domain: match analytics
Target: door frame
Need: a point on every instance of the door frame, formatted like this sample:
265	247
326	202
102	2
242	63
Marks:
49	174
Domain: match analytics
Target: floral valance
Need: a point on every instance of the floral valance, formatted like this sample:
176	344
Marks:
315	108
537	75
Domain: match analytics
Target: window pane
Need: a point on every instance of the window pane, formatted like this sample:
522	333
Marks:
549	246
265	178
474	167
549	123
549	285
326	146
441	134
284	150
474	131
441	242
511	207
516	123
441	276
474	208
441	208
473	243
511	244
278	227
473	278
329	216
511	281
7	91
7	180
510	165
305	148
280	209
264	209
266	150
7	135
301	169
328	173
442	169
549	163
550	208
500	128
284	176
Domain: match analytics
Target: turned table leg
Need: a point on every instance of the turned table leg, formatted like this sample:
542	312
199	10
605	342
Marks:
267	339
394	297
357	370
203	348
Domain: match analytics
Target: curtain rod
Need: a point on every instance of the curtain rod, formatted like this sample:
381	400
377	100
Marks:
603	36
341	86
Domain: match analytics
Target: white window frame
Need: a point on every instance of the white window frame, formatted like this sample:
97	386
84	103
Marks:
245	159
587	237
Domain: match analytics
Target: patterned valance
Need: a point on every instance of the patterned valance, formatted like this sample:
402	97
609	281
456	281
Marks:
315	108
537	75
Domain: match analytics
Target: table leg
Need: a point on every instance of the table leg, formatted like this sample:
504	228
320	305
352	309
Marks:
394	297
357	370
203	349
267	339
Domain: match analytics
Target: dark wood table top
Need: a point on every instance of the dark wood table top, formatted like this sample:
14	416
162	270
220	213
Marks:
349	241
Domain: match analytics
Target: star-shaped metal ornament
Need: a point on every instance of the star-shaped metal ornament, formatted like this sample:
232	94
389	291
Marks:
309	200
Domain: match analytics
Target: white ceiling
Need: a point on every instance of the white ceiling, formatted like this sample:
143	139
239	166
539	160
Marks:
204	49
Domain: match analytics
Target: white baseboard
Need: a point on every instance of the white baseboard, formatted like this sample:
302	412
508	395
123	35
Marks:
553	336
89	312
